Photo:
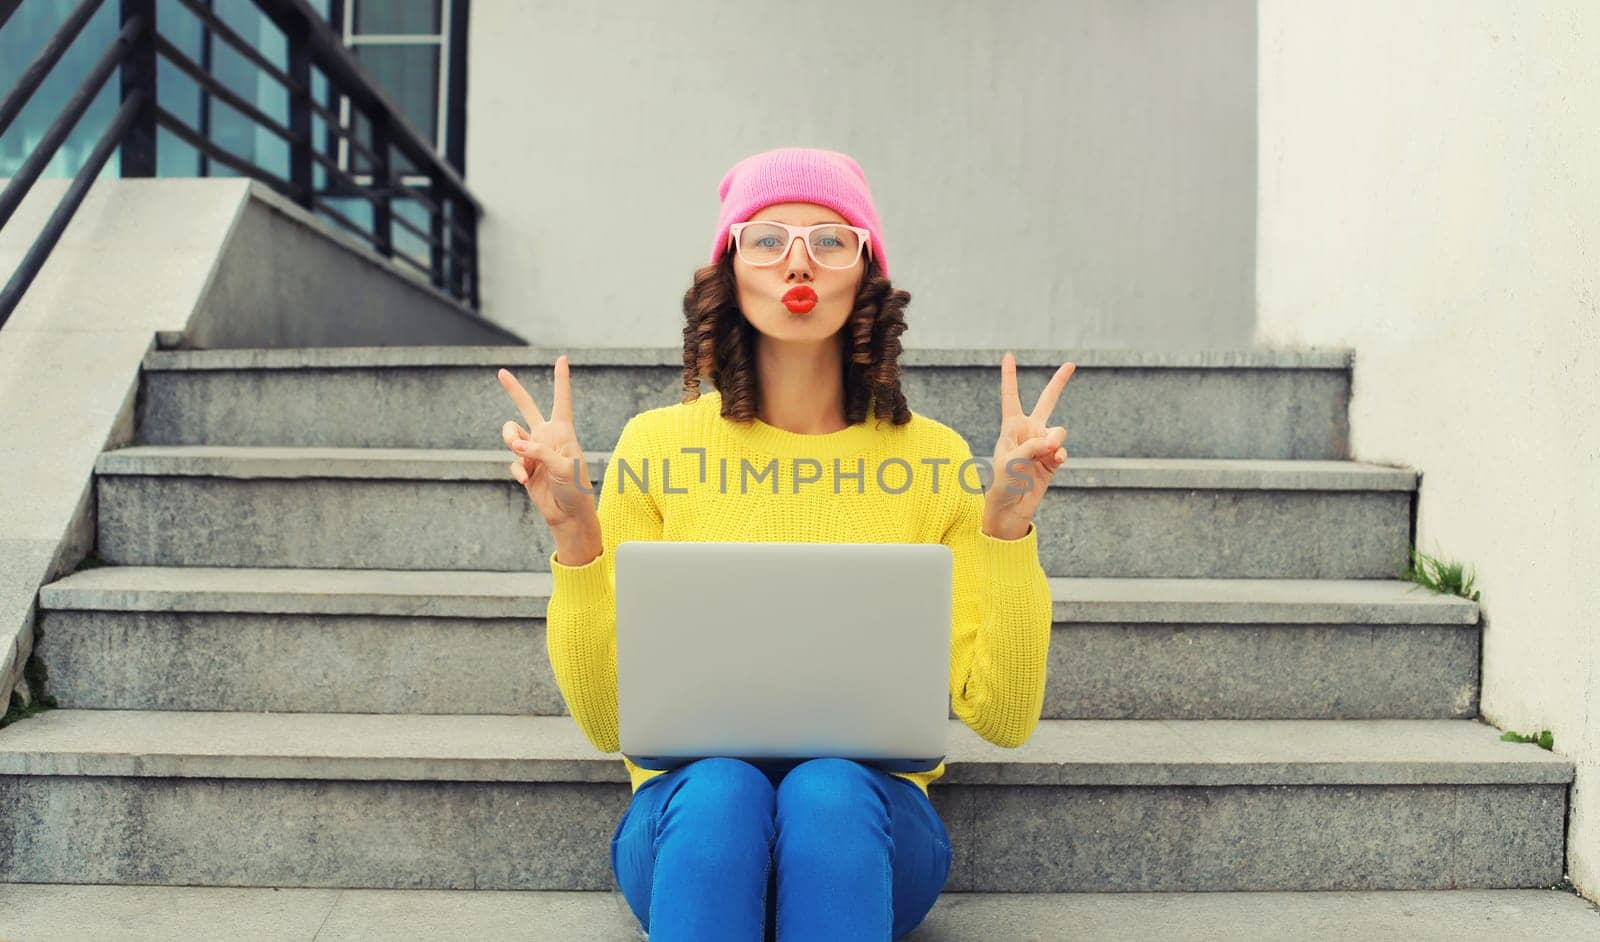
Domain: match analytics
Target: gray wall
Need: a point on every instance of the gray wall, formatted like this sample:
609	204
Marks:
1049	174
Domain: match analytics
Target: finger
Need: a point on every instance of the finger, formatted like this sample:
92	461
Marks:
511	433
1031	450
558	466
1010	402
519	472
562	407
1045	438
523	401
1046	450
1042	449
523	448
528	452
1052	391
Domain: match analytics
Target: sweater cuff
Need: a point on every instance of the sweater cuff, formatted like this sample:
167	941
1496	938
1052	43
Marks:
589	582
1009	560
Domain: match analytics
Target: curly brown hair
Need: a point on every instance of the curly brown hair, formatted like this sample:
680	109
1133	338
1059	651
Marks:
720	343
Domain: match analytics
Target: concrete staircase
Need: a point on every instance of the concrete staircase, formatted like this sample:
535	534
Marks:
314	657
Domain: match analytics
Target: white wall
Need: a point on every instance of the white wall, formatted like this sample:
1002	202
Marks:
1048	174
1430	196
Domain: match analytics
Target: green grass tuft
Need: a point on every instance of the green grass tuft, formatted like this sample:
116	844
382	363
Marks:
1433	573
1544	740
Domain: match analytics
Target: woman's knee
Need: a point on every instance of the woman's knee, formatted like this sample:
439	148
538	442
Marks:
826	785
725	784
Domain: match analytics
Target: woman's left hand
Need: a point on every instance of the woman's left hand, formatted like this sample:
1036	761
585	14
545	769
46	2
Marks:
1027	439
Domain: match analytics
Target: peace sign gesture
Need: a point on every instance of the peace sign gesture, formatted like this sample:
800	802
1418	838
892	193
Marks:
1026	455
547	461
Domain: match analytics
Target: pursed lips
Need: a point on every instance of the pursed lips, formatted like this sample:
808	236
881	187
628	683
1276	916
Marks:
800	299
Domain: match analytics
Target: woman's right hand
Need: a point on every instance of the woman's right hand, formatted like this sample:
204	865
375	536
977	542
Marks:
547	455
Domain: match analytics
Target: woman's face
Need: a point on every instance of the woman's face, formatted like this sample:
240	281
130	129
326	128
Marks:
761	289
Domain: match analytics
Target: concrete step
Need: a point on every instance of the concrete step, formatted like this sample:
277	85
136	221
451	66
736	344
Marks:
70	912
1223	404
394	641
219	505
524	802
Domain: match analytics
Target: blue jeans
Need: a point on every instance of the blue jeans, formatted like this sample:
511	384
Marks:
721	849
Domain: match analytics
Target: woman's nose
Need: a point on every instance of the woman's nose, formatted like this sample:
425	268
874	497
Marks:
799	256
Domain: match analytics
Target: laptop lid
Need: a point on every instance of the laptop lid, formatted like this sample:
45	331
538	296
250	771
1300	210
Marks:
780	652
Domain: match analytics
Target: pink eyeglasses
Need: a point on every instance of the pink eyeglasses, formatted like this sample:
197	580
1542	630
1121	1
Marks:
830	244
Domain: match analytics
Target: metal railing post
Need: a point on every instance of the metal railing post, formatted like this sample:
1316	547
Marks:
383	183
299	71
139	74
437	258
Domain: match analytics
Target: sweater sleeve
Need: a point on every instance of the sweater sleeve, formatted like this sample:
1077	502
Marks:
1000	626
581	620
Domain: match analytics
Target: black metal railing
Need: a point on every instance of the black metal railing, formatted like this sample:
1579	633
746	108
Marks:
390	150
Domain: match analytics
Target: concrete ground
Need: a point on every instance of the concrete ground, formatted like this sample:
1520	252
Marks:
36	912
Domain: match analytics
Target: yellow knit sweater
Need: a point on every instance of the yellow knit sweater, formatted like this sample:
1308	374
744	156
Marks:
761	483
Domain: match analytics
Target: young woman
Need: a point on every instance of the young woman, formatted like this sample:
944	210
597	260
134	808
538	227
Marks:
796	324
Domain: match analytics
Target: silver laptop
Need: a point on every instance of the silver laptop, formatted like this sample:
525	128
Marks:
780	652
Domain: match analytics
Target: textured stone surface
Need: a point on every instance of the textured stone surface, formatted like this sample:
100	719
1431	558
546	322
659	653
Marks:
1270	837
480	594
1226	404
320	663
218	638
308	832
446	510
24	564
553	749
243	914
524	835
524	802
142	258
473	464
461	355
1191	672
228	660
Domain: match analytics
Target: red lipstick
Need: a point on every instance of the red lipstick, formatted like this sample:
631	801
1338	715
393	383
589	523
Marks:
800	299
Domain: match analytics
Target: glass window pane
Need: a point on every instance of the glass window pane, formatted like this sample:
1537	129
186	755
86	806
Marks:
29	28
175	90
246	19
327	140
409	75
356	209
240	136
404	239
174	156
361	130
180	27
409	17
403	165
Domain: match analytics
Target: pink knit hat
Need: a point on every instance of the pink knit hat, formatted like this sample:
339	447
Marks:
801	175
